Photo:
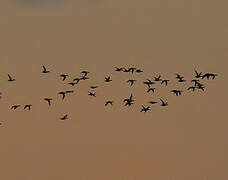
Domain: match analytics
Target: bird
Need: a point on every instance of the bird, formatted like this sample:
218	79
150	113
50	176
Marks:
192	88
28	106
198	75
108	102
77	80
72	83
69	91
84	78
64	117
63	94
148	82
152	102
157	78
15	106
10	79
165	81
85	73
108	79
200	86
118	69
208	75
163	103
180	78
177	92
131	81
151	89
145	109
64	76
129	101
196	81
126	70
48	100
93	87
92	94
45	70
138	71
131	70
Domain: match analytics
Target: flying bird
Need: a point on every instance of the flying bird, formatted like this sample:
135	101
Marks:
163	103
84	78
69	91
72	83
92	94
108	79
192	88
131	81
180	78
14	107
48	100
197	74
129	101
152	102
64	76
28	106
108	102
177	92
196	81
145	109
77	80
45	70
63	94
118	69
157	78
85	73
138	71
165	81
148	83
93	87
10	79
64	117
151	89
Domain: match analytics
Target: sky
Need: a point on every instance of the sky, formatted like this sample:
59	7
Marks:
186	140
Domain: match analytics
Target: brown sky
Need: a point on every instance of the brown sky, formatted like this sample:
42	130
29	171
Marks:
187	140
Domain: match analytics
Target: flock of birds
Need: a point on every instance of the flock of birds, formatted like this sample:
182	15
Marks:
197	85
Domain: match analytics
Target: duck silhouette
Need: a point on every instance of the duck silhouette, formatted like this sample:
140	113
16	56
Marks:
177	92
15	106
28	106
48	100
92	94
65	117
129	101
145	109
108	79
10	79
163	103
131	81
108	102
165	81
45	70
64	76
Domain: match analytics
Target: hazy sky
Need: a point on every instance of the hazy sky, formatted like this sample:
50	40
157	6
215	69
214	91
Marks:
186	140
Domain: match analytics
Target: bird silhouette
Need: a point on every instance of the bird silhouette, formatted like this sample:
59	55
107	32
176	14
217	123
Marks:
15	106
151	89
10	79
208	75
129	101
165	81
77	80
152	102
192	88
157	78
63	94
93	87
196	81
108	102
45	70
145	109
131	70
197	74
126	70
48	100
148	83
64	117
118	69
84	78
180	78
138	71
163	103
28	106
72	83
177	92
200	86
213	75
85	73
64	76
69	91
131	81
108	79
92	94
